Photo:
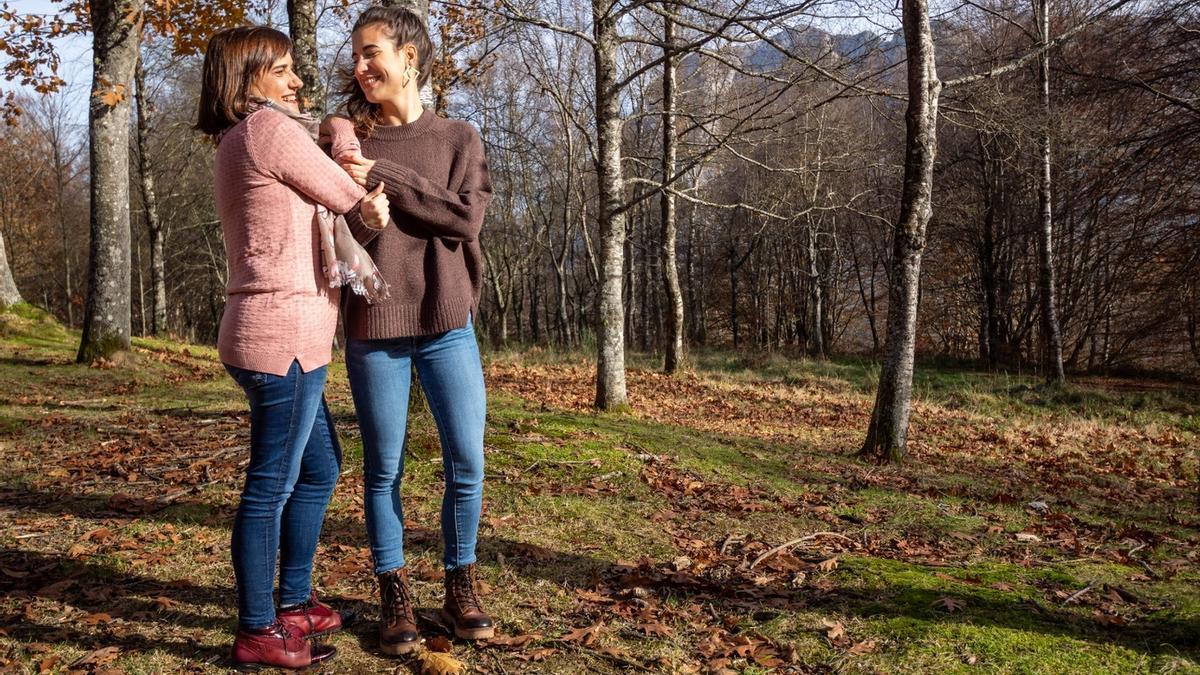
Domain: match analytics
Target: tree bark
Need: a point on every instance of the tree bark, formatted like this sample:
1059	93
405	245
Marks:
610	315
158	283
673	352
1052	336
302	26
116	33
887	434
9	295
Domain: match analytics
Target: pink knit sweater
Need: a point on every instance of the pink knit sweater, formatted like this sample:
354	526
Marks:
269	175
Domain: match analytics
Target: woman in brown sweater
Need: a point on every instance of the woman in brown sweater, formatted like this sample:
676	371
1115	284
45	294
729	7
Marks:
436	179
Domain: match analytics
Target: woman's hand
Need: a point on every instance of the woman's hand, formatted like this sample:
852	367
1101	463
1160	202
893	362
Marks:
357	166
374	208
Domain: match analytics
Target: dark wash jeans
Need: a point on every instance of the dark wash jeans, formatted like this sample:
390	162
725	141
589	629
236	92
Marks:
294	465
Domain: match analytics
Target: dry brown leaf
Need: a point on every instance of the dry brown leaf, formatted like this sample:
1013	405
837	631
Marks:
828	565
949	604
97	658
655	628
513	640
439	643
864	647
538	654
439	663
583	636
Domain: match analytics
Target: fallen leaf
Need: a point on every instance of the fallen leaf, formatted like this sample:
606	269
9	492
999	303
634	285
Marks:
1028	537
864	647
439	643
828	565
439	663
654	628
583	636
97	658
513	640
949	604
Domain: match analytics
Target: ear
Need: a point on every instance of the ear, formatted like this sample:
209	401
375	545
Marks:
410	54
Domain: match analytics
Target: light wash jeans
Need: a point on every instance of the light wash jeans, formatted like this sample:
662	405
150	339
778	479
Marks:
452	376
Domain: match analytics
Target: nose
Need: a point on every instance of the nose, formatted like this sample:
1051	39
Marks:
360	67
296	84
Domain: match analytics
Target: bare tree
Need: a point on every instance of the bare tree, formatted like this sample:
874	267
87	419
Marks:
154	226
116	33
673	354
1052	335
887	434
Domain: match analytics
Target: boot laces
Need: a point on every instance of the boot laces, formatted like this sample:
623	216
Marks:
462	585
401	605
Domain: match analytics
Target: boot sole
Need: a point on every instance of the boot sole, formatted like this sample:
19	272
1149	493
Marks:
259	667
399	649
468	633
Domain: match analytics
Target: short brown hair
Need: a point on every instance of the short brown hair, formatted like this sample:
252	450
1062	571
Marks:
235	56
402	27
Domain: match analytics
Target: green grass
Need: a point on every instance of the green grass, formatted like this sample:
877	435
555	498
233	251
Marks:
705	474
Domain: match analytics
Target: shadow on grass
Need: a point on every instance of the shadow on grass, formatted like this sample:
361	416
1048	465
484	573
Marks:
133	596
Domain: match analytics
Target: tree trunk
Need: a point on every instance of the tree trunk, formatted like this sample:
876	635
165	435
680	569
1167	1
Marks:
9	295
116	32
302	25
673	352
888	431
1052	338
610	316
158	282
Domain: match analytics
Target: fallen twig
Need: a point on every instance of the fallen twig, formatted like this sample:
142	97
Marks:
531	467
795	542
1078	594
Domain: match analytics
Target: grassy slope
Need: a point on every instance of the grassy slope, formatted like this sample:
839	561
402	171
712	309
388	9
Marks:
646	523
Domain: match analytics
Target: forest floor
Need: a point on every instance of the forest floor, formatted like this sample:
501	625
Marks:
1031	530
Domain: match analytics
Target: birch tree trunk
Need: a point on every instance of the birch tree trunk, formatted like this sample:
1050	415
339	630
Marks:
610	315
158	284
673	352
1052	336
9	295
302	26
888	432
116	33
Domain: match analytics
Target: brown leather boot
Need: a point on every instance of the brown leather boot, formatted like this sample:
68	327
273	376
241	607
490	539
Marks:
462	609
397	623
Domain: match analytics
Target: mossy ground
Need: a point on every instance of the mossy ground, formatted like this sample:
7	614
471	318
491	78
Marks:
119	486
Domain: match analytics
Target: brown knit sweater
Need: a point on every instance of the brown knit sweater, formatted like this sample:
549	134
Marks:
436	178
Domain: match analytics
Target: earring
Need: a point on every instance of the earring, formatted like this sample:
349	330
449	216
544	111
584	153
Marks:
409	74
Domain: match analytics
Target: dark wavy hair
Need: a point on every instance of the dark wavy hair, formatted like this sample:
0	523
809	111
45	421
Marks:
234	57
402	27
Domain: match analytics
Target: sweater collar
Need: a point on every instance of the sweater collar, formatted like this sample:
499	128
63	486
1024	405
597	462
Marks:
405	131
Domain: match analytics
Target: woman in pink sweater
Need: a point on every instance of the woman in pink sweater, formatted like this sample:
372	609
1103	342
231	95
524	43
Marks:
277	331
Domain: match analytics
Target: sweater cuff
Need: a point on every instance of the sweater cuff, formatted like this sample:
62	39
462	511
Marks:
392	174
362	232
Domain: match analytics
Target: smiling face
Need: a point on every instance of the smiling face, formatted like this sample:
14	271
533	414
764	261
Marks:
379	65
279	83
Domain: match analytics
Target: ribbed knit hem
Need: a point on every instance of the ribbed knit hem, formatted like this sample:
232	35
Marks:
393	319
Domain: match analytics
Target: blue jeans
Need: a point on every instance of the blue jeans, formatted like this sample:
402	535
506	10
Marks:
451	374
295	461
